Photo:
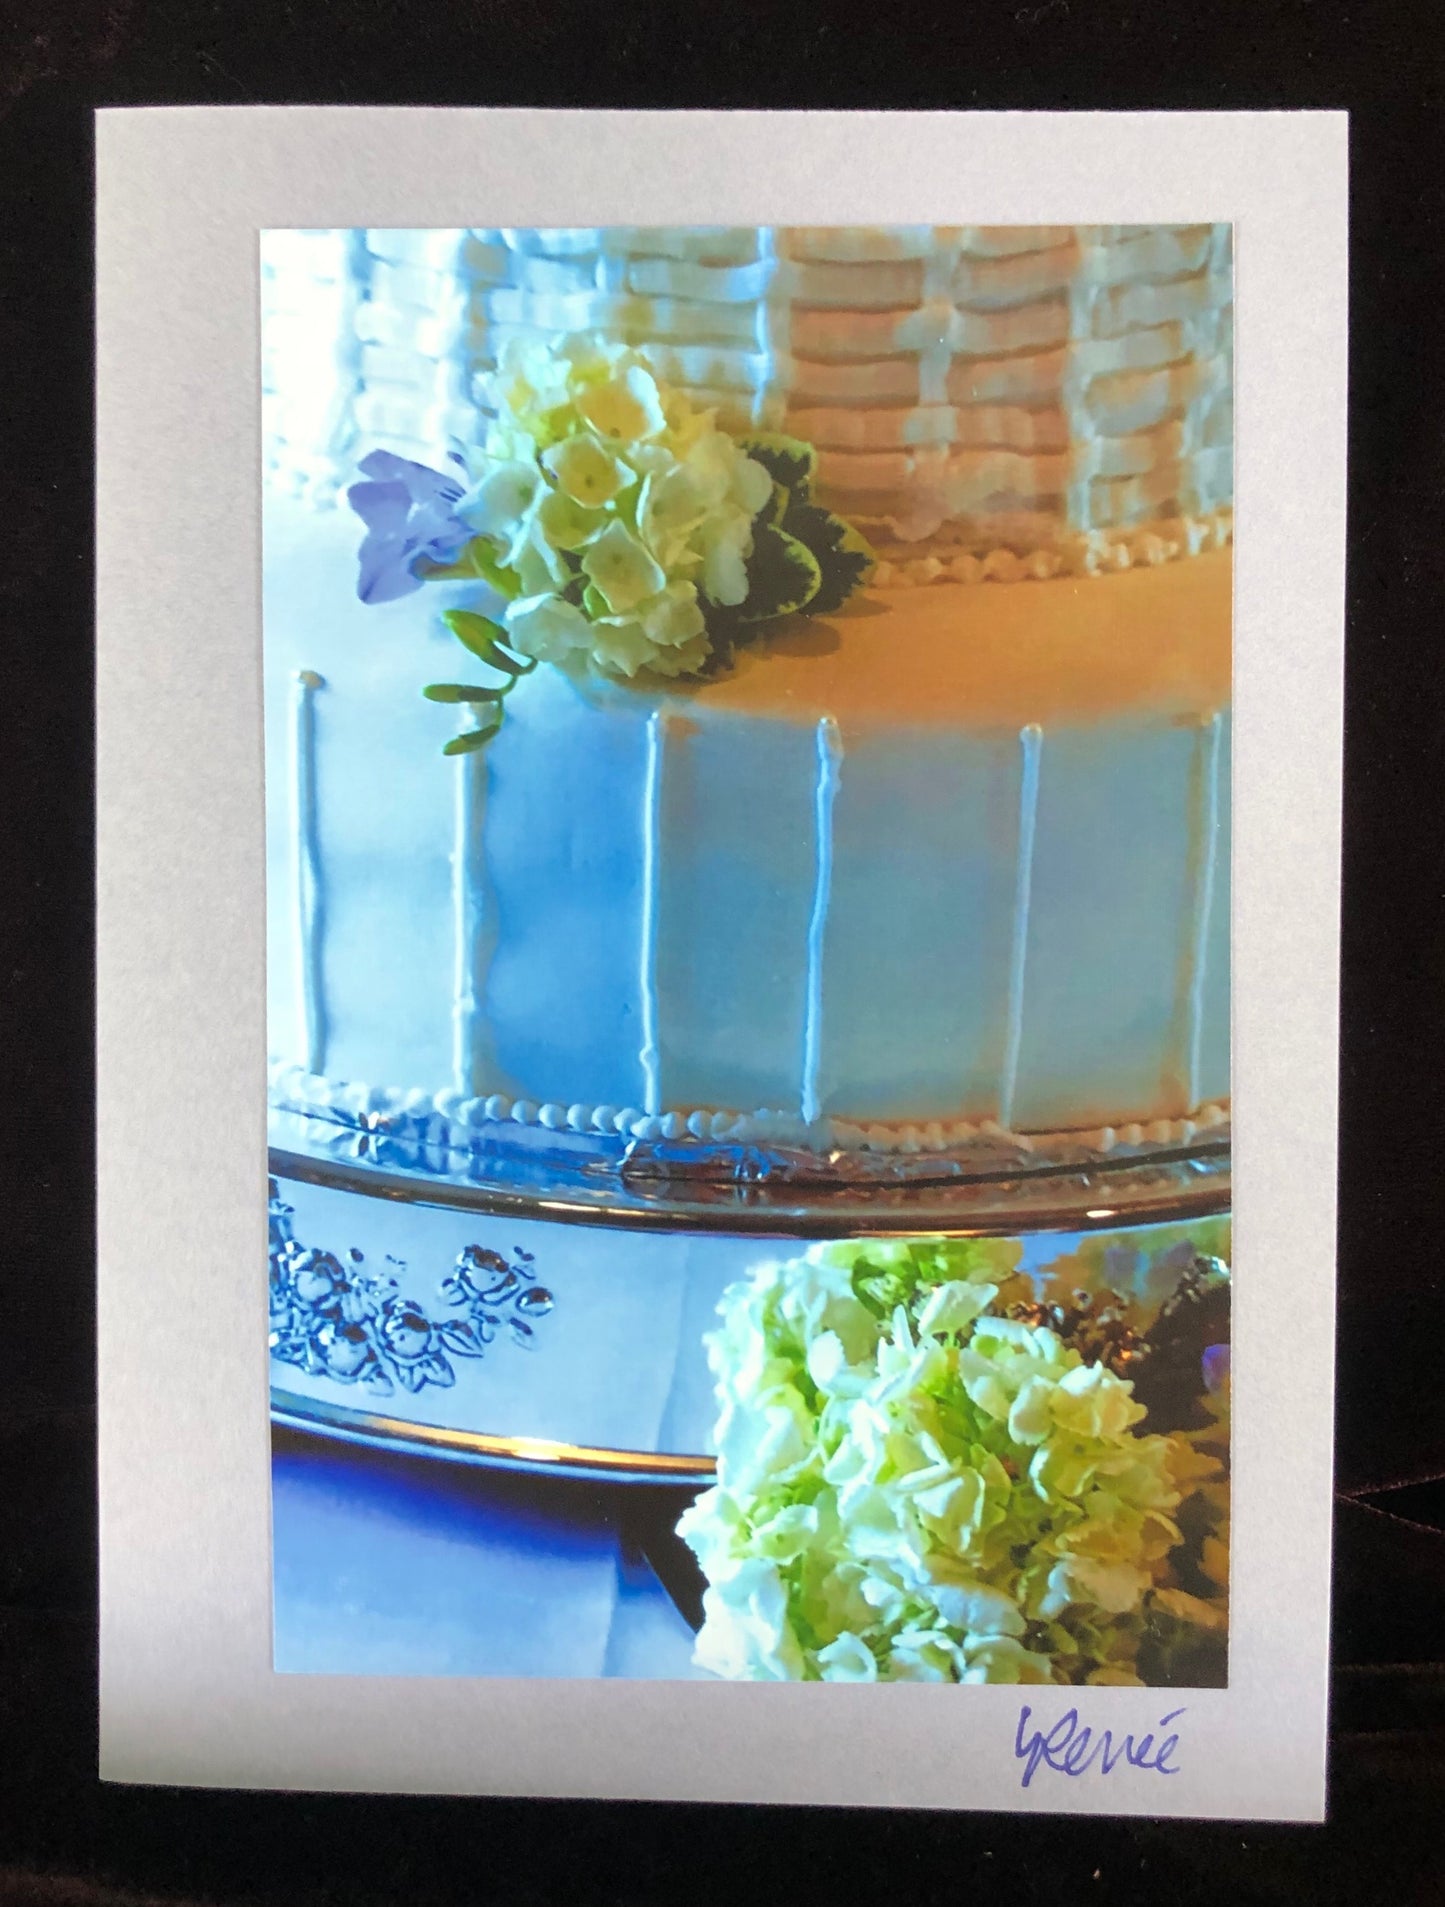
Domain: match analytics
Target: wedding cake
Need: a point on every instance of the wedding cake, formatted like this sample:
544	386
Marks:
943	864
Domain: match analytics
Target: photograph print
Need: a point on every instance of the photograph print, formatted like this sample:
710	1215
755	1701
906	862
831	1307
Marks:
748	966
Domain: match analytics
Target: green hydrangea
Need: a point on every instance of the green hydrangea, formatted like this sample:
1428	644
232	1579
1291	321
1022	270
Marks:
913	1487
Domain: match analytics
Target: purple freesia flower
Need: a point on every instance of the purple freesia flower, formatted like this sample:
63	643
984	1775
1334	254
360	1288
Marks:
408	513
1216	1368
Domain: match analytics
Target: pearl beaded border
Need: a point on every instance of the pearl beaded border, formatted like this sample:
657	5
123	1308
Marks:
1095	553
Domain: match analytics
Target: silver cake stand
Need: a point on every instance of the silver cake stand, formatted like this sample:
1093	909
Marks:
538	1301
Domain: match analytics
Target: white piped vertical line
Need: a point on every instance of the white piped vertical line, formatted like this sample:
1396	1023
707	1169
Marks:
649	1056
1217	407
307	900
937	320
771	333
1204	827
1083	433
609	272
311	287
1030	750
935	358
830	755
472	924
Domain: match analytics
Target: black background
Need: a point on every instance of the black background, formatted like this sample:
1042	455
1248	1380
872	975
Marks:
66	1839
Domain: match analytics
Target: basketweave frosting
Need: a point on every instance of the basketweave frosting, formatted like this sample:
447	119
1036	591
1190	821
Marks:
968	387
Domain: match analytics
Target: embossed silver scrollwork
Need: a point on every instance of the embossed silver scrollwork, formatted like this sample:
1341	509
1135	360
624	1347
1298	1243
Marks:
333	1317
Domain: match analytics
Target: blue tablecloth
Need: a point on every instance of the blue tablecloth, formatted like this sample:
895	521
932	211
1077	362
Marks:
398	1566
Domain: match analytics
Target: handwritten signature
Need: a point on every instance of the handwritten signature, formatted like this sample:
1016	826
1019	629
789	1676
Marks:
1070	1749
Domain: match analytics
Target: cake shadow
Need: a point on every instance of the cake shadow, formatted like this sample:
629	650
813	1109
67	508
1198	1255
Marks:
801	636
815	635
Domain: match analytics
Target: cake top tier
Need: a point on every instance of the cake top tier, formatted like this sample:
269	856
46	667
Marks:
982	387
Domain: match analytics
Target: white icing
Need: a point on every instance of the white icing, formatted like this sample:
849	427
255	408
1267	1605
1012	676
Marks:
1206	861
698	909
649	1056
1030	741
1113	901
830	754
307	891
940	266
646	917
772	336
474	925
311	284
447	1124
1094	361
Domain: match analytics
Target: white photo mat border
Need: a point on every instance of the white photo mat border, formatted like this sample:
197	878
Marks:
188	1694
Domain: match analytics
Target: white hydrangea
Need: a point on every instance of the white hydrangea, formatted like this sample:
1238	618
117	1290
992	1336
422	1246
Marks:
911	1489
619	509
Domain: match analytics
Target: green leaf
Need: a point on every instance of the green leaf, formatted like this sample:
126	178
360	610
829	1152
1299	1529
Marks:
787	460
491	569
594	604
459	572
460	692
471	739
484	638
776	507
514	665
477	633
479	559
843	554
783	576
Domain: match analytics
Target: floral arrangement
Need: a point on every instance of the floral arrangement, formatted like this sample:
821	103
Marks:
918	1480
618	527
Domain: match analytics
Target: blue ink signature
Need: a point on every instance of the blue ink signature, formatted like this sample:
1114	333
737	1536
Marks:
1071	1750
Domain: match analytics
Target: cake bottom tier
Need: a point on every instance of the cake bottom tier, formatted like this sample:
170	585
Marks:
951	866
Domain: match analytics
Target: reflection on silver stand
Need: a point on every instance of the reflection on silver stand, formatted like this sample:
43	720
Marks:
591	1364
